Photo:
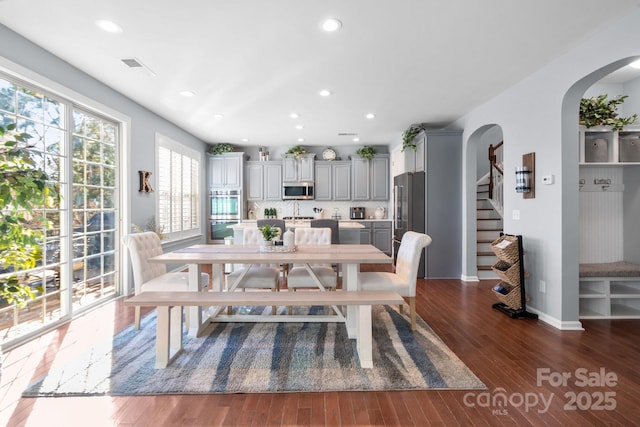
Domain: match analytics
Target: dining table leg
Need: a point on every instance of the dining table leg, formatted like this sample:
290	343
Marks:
350	283
194	322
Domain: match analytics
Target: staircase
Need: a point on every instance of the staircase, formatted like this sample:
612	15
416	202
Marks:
489	226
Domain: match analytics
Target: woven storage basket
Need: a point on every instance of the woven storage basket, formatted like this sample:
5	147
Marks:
508	253
512	298
509	273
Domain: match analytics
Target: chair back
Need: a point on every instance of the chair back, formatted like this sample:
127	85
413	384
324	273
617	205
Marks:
251	236
328	223
143	246
409	255
312	236
274	223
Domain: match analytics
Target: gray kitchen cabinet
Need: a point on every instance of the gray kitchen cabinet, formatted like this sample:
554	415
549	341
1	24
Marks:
332	181
378	234
414	160
298	170
263	180
225	170
381	236
370	178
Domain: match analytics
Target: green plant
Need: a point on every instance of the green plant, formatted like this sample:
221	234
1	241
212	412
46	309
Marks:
221	148
268	232
367	152
598	111
408	136
297	151
151	225
25	189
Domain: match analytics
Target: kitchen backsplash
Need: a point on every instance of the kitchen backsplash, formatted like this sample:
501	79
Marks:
306	208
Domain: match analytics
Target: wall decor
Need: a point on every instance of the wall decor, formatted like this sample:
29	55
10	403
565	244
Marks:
145	185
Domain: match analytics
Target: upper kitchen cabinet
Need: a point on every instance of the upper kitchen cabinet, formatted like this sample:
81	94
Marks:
298	170
225	170
411	160
263	180
370	178
332	181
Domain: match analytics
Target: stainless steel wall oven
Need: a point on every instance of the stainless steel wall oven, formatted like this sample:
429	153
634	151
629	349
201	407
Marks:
225	209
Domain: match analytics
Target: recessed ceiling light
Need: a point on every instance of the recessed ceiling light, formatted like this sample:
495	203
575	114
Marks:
635	64
370	116
109	26
356	139
218	116
325	92
245	139
187	93
294	115
330	25
300	139
299	127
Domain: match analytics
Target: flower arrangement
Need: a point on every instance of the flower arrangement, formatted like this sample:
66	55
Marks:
151	225
367	152
268	232
221	148
599	110
408	136
297	151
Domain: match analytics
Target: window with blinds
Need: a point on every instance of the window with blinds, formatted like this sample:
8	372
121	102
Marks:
178	192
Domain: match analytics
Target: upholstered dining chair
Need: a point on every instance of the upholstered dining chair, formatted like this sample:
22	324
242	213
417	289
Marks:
298	276
152	276
403	281
328	223
254	276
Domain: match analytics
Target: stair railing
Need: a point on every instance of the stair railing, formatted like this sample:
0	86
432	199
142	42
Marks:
496	176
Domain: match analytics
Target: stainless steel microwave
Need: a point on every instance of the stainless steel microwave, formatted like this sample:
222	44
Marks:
298	191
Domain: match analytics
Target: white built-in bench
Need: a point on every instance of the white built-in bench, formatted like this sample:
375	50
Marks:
169	321
610	290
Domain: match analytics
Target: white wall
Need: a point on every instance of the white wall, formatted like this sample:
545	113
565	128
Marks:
539	114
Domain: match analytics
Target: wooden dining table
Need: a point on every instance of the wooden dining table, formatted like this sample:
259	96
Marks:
350	257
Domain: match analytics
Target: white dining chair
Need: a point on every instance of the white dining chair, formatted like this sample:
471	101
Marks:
298	276
152	276
254	276
403	281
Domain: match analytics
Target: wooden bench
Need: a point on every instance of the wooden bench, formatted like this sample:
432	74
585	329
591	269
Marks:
170	306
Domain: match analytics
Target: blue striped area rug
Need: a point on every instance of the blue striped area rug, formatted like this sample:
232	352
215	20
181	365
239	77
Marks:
265	357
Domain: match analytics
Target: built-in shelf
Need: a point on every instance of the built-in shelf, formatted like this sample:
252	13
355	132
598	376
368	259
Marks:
609	298
603	146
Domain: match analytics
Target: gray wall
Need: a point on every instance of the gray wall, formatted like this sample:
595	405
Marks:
444	209
631	220
144	124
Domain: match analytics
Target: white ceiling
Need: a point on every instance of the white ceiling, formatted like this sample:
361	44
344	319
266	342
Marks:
256	61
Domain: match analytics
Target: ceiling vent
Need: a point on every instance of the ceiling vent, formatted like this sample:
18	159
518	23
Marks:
347	134
135	63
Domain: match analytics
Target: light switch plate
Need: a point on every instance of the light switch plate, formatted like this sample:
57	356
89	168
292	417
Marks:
515	214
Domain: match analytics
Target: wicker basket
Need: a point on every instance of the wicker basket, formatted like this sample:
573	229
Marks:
508	253
512	298
509	273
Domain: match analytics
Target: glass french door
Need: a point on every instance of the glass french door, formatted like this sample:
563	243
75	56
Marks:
79	151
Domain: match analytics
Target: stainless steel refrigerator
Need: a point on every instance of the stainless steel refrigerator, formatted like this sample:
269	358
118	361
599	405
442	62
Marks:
409	209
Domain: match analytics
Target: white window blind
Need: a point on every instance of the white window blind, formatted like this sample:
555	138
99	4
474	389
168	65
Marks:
178	188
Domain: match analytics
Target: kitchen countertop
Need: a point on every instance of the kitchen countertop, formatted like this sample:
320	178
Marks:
347	223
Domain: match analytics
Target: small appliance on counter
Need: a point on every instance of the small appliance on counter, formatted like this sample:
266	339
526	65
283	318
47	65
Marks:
357	213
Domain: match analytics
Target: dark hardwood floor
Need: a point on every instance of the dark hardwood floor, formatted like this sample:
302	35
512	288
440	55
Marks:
505	354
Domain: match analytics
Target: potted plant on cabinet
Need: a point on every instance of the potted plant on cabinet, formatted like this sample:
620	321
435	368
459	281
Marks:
297	151
221	148
408	136
366	152
600	111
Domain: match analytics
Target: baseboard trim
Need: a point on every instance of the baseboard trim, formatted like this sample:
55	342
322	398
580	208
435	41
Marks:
465	278
556	323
